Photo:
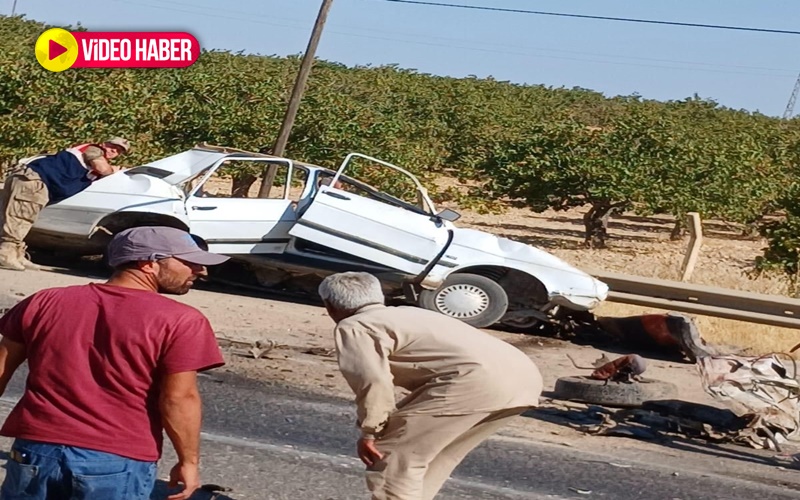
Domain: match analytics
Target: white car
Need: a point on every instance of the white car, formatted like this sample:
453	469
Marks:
307	227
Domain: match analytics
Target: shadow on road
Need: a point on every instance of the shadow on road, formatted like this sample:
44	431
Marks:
578	418
94	268
207	492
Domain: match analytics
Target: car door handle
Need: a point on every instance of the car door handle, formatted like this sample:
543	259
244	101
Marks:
337	195
203	208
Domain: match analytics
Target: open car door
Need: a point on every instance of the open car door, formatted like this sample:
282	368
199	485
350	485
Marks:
362	221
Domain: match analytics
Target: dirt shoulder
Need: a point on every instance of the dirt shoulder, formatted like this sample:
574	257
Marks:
301	341
300	354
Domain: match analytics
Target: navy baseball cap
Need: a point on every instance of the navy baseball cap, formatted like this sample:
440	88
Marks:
158	242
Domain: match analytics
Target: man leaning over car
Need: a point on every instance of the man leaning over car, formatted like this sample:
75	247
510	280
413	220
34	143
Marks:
41	181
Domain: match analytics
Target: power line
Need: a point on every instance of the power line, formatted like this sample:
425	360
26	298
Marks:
253	17
586	16
205	14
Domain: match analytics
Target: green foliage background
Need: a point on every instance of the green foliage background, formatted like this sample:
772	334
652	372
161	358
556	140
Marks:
526	144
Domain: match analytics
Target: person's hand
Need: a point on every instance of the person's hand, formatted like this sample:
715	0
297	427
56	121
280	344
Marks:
186	474
367	451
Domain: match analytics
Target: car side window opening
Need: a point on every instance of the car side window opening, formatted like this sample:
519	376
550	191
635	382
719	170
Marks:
243	179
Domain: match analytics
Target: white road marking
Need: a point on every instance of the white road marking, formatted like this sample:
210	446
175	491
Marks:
353	462
343	461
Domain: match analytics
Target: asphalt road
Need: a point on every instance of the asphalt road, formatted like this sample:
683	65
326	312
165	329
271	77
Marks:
263	441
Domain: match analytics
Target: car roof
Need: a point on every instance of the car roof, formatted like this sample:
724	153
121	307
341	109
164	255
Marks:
179	167
233	152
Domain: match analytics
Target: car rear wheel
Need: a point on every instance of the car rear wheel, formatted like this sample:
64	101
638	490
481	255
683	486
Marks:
471	298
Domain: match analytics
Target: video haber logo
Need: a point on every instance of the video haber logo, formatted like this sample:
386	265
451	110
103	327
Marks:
58	49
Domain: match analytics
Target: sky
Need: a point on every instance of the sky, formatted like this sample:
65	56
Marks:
738	69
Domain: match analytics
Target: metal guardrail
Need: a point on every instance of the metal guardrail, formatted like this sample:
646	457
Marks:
773	310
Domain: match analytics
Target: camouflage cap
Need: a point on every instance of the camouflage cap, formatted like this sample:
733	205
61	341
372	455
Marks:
121	142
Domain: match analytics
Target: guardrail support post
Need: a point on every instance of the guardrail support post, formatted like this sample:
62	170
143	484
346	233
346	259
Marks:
695	242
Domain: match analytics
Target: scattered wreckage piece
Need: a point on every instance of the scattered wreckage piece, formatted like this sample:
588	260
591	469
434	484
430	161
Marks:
617	382
762	395
668	332
656	420
628	368
763	389
326	352
249	349
660	420
615	394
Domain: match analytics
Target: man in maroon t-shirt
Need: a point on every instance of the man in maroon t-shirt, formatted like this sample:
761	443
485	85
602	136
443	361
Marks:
112	366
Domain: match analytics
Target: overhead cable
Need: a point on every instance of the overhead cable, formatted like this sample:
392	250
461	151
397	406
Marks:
586	16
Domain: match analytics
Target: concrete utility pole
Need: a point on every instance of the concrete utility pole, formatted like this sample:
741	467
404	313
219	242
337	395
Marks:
297	94
13	8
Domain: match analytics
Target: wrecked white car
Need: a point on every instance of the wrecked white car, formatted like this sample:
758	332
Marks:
314	221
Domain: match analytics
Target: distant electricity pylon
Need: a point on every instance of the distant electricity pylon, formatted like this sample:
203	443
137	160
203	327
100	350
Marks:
792	99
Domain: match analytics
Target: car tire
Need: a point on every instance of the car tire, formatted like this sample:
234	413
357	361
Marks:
471	298
618	394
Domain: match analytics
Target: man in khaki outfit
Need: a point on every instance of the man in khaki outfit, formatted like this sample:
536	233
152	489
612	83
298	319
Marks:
464	385
40	181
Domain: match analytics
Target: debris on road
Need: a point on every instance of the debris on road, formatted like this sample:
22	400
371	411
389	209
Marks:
669	333
626	368
761	389
611	393
250	349
762	393
653	421
327	352
672	418
666	419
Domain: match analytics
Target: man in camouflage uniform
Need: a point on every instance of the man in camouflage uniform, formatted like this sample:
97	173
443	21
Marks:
43	180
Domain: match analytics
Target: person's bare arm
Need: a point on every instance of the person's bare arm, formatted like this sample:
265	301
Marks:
96	160
181	414
12	354
101	167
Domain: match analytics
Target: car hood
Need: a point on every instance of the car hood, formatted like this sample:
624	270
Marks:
179	167
511	250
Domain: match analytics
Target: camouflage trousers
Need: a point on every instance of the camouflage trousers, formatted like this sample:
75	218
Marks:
23	198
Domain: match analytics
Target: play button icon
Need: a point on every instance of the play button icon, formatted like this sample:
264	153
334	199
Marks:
56	49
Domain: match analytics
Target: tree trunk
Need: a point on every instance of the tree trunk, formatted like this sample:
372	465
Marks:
595	222
752	228
240	185
678	230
